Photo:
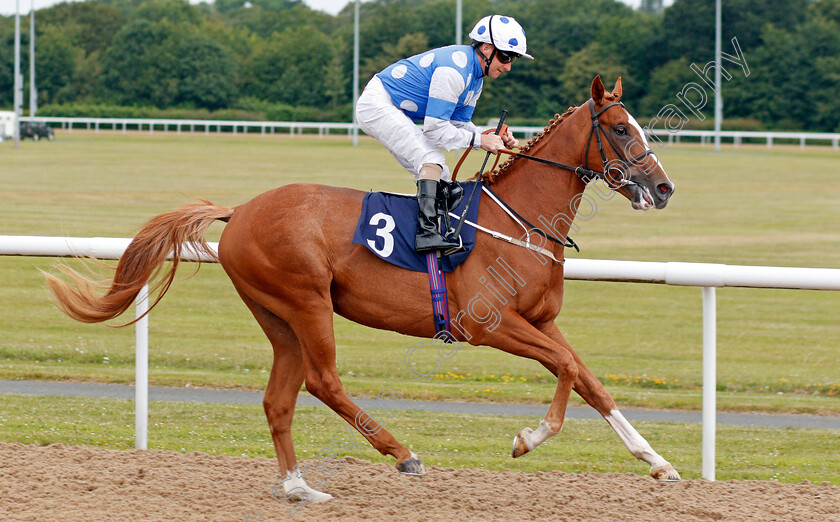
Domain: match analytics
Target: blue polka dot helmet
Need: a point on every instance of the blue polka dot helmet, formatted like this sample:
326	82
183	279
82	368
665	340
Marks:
503	32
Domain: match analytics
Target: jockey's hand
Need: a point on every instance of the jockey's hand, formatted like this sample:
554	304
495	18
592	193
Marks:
492	143
510	141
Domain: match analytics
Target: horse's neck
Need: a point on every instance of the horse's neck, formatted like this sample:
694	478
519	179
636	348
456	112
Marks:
545	195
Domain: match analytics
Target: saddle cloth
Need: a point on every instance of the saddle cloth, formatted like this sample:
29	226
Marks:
388	224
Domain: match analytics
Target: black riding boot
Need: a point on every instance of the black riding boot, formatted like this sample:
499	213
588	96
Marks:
428	237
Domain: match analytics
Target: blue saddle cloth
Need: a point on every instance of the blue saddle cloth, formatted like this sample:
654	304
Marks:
388	225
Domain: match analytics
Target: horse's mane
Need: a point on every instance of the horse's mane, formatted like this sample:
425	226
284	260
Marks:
490	177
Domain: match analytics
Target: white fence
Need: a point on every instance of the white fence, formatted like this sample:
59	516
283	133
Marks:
738	137
705	275
152	125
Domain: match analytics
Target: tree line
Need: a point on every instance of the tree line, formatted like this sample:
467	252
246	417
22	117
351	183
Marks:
280	60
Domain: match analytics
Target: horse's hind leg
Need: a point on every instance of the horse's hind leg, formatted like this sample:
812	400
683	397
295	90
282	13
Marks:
284	384
314	328
593	392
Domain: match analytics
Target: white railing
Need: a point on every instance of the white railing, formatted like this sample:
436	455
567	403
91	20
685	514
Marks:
708	276
737	137
153	125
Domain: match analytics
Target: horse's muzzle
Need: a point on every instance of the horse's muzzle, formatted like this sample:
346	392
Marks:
662	194
646	197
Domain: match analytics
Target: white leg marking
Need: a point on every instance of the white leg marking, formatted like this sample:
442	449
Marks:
635	443
543	433
297	489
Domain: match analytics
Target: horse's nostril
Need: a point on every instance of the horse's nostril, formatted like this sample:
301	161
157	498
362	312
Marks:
664	188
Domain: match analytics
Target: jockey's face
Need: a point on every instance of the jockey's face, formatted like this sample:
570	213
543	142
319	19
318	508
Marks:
496	66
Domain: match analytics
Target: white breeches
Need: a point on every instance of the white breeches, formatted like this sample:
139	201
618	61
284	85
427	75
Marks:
378	117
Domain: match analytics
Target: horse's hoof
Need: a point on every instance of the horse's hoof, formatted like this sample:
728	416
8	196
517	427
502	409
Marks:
665	473
412	466
520	447
297	489
309	495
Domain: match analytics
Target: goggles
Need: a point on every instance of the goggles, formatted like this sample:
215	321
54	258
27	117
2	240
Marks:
506	56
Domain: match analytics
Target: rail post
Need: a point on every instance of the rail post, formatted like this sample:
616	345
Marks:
141	370
709	380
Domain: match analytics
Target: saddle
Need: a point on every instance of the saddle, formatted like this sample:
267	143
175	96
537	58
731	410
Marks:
388	223
387	226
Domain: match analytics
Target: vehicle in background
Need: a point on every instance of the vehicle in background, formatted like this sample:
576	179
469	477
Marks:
35	130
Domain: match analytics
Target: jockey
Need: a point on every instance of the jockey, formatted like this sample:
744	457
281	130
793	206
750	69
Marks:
440	88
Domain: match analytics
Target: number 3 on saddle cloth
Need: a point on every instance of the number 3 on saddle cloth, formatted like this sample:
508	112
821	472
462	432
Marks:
387	226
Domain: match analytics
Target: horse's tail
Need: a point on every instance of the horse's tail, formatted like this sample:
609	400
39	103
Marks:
166	235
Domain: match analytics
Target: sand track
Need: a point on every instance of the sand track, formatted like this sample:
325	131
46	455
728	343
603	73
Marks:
58	482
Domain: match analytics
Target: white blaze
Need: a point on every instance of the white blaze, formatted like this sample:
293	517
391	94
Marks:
638	127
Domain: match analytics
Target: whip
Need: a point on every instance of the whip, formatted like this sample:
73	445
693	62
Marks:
477	181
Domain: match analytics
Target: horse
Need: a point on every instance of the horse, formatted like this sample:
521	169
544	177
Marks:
288	253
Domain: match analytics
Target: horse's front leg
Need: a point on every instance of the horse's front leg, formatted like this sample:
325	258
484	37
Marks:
517	336
593	392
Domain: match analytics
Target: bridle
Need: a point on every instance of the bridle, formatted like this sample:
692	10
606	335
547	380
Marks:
598	130
583	171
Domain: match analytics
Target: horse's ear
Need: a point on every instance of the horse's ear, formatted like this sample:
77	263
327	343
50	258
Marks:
597	89
617	89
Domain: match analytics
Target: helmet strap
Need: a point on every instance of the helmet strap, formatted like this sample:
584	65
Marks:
488	61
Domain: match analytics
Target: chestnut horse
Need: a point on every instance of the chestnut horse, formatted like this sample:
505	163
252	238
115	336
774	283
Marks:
289	254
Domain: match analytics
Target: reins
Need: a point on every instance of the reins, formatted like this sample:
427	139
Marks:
582	171
502	130
569	242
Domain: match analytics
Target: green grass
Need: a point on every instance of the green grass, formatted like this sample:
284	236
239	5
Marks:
777	349
441	439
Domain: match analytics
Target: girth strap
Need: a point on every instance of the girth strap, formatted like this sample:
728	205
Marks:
440	302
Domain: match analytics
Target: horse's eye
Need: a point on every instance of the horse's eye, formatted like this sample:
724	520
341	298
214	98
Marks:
620	130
